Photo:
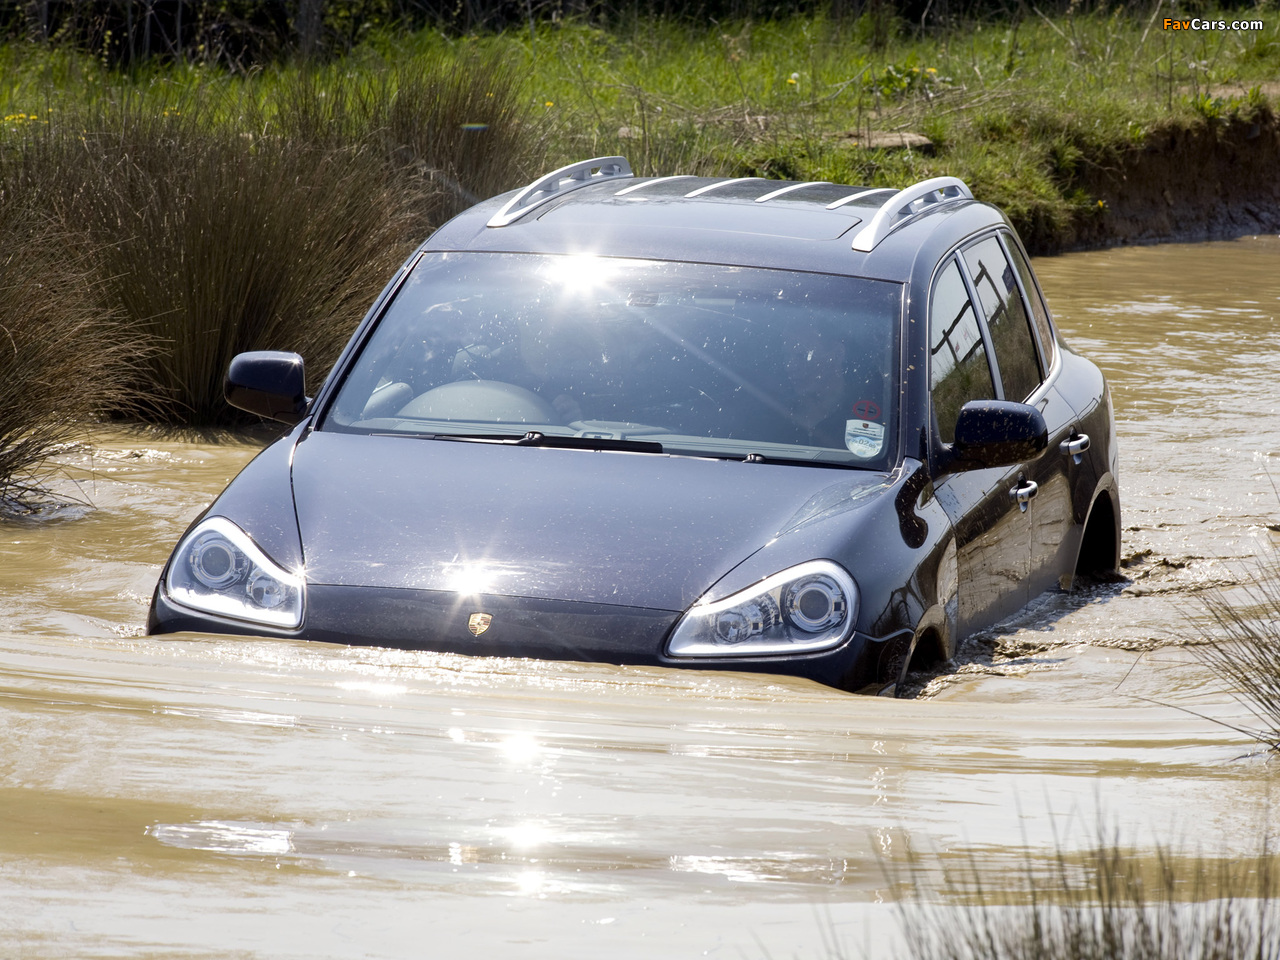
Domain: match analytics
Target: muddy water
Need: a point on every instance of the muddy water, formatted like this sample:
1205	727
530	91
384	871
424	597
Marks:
206	796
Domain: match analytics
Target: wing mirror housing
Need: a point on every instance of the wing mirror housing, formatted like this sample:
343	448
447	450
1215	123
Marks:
997	433
270	383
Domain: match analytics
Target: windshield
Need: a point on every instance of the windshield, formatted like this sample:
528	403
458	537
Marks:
699	359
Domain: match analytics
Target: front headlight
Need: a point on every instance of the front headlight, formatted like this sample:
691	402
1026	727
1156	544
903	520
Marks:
810	607
218	569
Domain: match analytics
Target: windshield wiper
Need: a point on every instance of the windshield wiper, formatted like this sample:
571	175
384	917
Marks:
468	437
535	438
793	461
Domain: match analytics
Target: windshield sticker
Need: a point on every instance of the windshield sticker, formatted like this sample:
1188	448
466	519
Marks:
866	410
864	438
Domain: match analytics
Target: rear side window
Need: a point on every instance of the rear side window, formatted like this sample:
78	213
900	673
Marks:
1011	336
958	367
1039	311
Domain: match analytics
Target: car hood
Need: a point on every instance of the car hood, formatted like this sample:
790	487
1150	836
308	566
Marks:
633	529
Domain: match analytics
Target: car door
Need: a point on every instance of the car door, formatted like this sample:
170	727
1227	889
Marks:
1043	488
992	534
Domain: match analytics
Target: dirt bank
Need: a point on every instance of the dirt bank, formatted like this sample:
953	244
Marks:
1215	180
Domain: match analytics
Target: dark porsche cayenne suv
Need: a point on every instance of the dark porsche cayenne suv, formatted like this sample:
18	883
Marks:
745	424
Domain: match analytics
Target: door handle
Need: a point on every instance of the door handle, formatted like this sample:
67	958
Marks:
1023	492
1074	446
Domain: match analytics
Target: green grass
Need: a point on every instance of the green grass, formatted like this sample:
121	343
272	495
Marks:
1025	112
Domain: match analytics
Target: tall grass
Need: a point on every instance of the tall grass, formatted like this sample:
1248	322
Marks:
218	242
456	117
1104	905
62	360
1245	652
217	222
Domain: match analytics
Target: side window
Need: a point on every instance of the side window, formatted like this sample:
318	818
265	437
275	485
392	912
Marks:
958	367
1006	318
1039	311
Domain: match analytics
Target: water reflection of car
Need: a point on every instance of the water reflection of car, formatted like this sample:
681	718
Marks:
796	428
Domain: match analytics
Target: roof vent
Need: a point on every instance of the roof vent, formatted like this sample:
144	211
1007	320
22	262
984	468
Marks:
559	182
905	204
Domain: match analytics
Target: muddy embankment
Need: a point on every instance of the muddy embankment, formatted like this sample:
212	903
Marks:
1213	181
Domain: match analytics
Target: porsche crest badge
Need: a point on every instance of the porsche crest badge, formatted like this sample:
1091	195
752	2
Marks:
478	623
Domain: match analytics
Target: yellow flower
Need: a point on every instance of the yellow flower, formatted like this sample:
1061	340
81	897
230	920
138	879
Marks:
549	103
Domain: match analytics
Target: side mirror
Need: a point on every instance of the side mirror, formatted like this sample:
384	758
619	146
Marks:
270	383
997	433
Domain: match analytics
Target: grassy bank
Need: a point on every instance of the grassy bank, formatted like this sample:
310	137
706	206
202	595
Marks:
1028	110
203	211
1033	114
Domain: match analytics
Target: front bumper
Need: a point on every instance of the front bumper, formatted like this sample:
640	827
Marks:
511	627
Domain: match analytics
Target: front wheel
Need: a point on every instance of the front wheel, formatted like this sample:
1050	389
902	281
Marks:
891	666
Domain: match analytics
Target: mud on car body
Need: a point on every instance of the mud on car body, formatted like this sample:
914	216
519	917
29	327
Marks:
798	428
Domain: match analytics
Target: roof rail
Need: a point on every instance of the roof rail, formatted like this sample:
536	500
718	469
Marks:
791	189
906	204
837	204
648	183
550	186
708	187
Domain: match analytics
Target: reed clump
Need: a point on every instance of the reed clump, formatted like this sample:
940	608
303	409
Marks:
63	361
1245	647
457	119
215	222
1106	904
214	242
151	231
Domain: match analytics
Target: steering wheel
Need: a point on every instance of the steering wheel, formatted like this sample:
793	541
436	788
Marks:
487	401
